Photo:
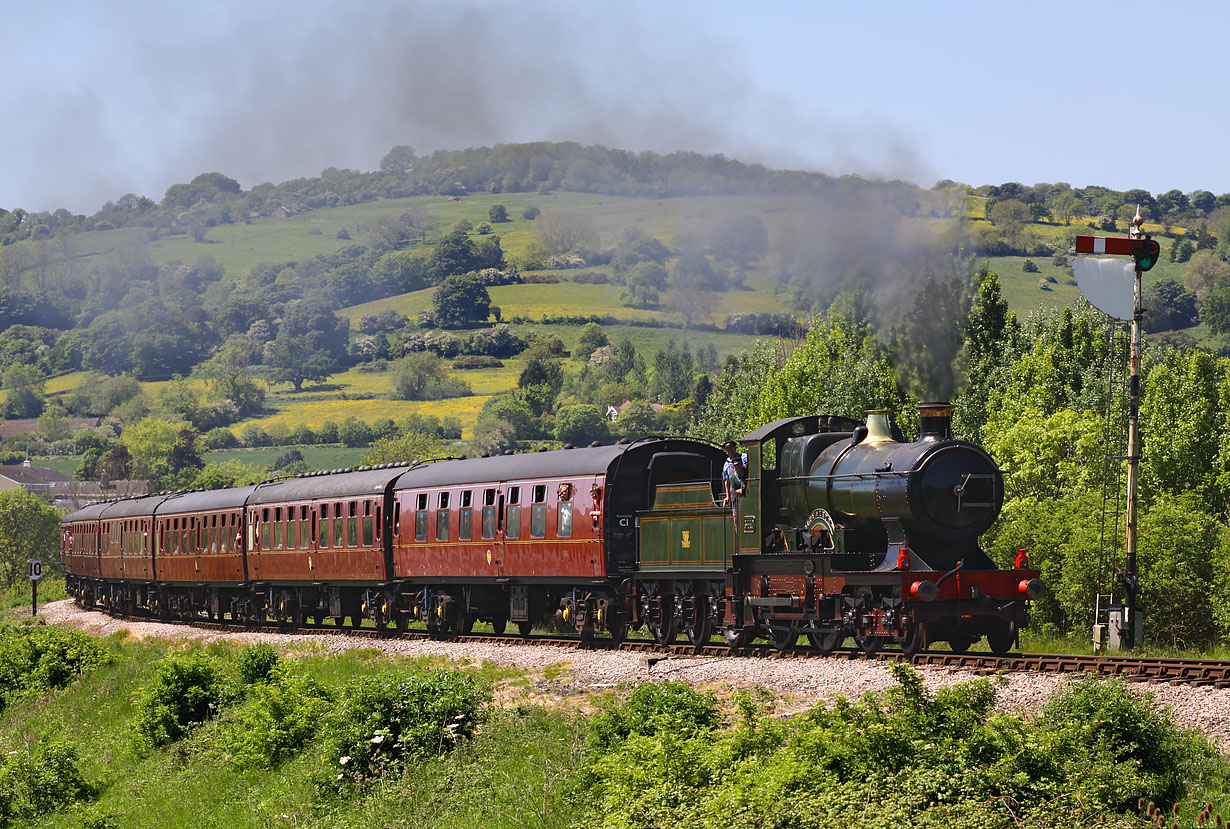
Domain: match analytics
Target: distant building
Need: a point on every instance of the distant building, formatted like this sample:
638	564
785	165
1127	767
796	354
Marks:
613	412
282	211
37	479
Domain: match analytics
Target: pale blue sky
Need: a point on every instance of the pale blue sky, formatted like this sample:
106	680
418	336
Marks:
102	99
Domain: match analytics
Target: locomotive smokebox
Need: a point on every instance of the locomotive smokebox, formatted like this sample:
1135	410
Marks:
935	421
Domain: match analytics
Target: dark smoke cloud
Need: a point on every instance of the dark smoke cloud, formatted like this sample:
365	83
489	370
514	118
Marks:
278	90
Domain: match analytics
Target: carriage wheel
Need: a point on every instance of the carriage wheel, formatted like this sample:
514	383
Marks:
826	641
525	629
664	625
869	644
1001	637
698	623
913	640
783	639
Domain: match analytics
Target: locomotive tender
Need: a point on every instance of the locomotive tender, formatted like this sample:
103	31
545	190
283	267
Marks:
843	532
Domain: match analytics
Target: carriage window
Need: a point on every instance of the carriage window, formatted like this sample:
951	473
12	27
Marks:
514	495
353	526
277	528
396	519
420	525
442	524
292	527
488	522
538	521
488	497
339	527
224	535
540	493
266	538
421	501
513	529
563	523
467	498
368	531
305	528
443	500
465	524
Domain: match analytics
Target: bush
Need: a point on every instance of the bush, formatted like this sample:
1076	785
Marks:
652	707
220	438
478	361
591	278
530	212
278	718
354	432
184	691
256	662
395	717
540	279
40	781
253	435
1029	266
40	657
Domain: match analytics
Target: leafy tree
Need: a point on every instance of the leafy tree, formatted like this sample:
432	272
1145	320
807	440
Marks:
541	380
354	432
1010	216
733	407
1182	250
1205	273
229	376
673	373
421	376
644	281
530	213
512	410
580	424
161	449
455	254
989	339
117	466
409	446
399	160
493	436
690	297
935	319
1168	306
592	338
29	529
839	369
24	385
403	271
461	300
637	420
498	213
294	359
1216	311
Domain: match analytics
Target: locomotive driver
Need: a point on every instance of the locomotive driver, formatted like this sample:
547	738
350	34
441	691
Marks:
734	476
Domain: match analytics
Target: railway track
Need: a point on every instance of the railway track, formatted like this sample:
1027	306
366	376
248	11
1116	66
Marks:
1196	672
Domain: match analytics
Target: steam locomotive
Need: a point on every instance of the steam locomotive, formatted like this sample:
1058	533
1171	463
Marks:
843	531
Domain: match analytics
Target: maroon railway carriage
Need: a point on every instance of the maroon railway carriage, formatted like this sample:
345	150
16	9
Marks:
318	544
513	537
81	550
199	552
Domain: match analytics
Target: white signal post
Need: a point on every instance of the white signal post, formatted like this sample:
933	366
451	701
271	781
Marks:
1144	250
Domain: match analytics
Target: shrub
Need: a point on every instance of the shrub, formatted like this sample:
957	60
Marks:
254	435
675	707
478	361
256	662
540	279
395	717
591	278
184	690
530	212
278	718
220	438
1029	266
40	657
40	781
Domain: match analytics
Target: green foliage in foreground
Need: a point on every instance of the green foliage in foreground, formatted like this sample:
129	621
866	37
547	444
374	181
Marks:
425	746
35	658
906	758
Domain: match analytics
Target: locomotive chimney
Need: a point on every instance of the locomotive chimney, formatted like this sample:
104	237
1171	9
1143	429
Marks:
877	427
935	421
